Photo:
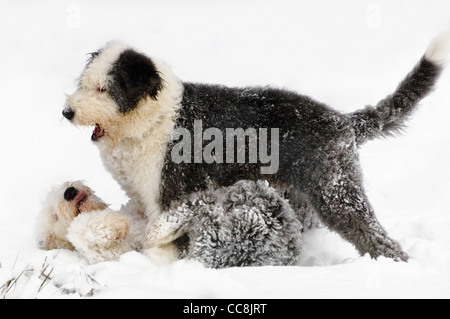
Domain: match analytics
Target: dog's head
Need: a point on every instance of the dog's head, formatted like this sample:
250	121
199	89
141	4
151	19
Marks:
61	206
76	199
122	93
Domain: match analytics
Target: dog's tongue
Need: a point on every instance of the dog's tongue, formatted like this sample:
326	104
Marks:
81	195
97	133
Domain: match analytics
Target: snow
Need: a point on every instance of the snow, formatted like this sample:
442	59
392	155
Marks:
347	54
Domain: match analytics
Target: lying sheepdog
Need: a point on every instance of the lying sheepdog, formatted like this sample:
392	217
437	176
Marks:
74	218
246	224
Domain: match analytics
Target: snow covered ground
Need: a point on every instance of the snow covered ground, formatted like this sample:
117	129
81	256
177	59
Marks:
347	54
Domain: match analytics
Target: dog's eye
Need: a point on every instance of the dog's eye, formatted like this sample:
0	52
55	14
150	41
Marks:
101	89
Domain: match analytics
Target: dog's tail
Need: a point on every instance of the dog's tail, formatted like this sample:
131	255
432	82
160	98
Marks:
389	115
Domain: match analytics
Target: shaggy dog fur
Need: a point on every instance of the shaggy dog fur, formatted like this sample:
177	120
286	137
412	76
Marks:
135	103
246	224
74	218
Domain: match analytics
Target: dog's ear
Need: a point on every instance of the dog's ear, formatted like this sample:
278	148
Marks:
133	77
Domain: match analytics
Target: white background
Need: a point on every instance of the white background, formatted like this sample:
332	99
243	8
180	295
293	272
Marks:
345	53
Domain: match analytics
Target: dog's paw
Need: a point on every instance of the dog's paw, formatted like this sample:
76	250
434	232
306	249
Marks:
117	228
104	228
388	248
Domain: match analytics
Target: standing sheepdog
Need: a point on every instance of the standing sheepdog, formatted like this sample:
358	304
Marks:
146	123
246	224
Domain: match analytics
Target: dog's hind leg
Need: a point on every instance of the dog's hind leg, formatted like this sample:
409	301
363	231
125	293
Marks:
342	205
347	211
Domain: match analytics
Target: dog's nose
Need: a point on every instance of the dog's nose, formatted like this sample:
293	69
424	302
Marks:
70	194
68	113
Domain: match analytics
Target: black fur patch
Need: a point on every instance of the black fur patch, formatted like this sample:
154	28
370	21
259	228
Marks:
318	150
134	77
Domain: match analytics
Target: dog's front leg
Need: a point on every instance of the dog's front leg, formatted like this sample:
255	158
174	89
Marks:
162	255
161	234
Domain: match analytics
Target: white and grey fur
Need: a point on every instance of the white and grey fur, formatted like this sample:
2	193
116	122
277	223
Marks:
245	224
74	218
136	102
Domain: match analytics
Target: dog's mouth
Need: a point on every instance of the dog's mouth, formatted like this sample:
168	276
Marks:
80	198
79	201
98	133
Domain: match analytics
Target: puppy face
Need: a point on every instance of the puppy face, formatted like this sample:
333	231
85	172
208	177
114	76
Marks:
76	199
117	90
61	206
